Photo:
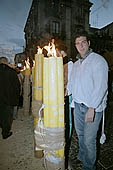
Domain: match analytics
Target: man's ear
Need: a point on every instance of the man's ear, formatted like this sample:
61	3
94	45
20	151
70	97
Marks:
89	42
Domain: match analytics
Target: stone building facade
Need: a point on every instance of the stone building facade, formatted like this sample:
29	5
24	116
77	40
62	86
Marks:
58	19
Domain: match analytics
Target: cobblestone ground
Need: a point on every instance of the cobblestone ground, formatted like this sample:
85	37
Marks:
105	156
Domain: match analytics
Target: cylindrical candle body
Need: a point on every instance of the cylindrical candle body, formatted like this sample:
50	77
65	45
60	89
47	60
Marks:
60	90
53	92
46	92
38	79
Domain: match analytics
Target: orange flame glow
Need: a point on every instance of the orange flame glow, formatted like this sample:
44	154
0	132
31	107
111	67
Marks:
51	49
33	63
27	63
39	50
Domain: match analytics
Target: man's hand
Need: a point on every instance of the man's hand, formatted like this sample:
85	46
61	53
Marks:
89	117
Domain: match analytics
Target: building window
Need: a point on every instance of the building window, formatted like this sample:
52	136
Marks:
55	27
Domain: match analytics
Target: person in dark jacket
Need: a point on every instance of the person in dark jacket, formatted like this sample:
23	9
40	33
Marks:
9	96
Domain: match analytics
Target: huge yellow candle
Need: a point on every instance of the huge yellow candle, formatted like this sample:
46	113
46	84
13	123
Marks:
60	91
46	91
53	94
38	79
37	93
27	72
33	76
60	83
50	92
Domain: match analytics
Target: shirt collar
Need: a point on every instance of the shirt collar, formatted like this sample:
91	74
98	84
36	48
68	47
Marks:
82	58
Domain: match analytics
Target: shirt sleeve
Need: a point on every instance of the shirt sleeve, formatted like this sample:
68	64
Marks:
100	79
69	84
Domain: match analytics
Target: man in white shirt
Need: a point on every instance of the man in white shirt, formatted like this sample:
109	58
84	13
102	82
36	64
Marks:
89	87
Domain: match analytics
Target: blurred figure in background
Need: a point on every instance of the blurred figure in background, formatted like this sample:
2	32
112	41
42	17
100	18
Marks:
20	103
9	96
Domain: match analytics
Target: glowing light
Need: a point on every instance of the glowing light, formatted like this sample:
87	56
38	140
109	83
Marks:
39	50
51	49
33	63
27	63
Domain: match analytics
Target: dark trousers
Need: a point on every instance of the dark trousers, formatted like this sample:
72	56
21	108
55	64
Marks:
6	119
67	131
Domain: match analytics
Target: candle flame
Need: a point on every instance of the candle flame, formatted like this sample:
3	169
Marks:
51	49
27	64
39	50
23	69
33	63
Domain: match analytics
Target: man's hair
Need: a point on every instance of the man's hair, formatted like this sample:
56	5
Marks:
3	60
82	33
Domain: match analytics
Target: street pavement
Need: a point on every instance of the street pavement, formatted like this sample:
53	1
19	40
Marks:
104	151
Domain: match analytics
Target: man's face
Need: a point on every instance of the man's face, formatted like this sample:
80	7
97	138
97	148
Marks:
82	45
